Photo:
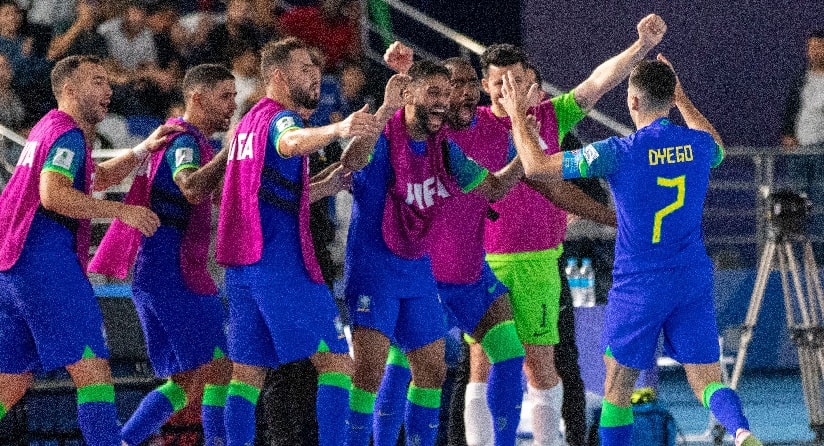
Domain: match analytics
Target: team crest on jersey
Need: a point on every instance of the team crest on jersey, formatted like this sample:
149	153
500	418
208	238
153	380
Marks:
284	123
184	155
63	158
364	302
590	153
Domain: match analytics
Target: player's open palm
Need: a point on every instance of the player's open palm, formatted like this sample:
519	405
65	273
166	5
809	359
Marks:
140	218
651	30
360	123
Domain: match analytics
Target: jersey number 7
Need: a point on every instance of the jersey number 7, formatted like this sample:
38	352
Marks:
677	182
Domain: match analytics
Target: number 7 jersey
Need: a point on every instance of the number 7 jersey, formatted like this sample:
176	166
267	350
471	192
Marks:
659	177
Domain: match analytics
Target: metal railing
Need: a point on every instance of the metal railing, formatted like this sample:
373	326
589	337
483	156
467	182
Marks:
466	46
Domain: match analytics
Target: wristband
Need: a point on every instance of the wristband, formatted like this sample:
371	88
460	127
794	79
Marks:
140	151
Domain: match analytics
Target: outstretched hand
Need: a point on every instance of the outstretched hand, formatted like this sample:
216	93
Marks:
159	136
651	30
516	100
399	57
359	123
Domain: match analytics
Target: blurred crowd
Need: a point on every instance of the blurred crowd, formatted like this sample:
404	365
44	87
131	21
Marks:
147	46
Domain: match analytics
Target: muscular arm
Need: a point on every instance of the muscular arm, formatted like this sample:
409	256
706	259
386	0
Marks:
356	155
613	71
197	185
496	186
570	198
304	141
115	170
58	195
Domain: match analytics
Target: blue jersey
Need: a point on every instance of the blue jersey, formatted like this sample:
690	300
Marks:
167	200
659	177
369	262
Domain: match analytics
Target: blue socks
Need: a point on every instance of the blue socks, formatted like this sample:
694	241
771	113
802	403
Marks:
211	411
422	415
361	407
97	415
725	405
616	425
332	402
391	399
239	416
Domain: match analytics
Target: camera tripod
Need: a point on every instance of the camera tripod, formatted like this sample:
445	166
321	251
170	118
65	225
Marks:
804	307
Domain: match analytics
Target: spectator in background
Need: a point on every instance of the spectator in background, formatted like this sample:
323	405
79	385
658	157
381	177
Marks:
245	66
353	86
163	19
239	29
333	27
46	19
803	122
81	38
130	41
12	113
30	72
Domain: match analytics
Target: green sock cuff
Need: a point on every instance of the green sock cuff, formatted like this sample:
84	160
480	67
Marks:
335	379
396	357
218	354
214	395
710	390
323	347
424	397
246	391
361	401
95	393
175	394
501	342
615	416
3	411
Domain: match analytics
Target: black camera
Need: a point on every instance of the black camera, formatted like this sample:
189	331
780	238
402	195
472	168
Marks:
789	211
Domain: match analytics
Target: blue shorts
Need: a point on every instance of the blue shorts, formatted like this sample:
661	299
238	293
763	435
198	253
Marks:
48	312
679	302
275	320
468	303
409	323
182	329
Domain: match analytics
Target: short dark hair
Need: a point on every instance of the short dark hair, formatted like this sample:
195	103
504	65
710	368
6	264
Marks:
427	68
816	34
502	55
206	75
454	62
66	67
655	80
276	54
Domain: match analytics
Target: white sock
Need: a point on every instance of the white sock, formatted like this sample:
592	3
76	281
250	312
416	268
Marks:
546	414
477	418
740	435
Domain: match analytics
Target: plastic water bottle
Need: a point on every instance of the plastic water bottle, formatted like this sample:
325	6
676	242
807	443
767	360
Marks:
573	276
587	277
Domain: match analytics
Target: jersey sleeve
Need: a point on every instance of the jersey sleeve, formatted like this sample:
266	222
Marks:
567	112
67	155
184	153
719	156
599	159
378	165
285	121
467	173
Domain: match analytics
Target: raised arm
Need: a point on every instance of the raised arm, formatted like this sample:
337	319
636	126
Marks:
692	116
115	170
304	141
612	72
357	153
536	164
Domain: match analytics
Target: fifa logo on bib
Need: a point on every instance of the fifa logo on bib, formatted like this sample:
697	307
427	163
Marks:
422	194
241	147
27	155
